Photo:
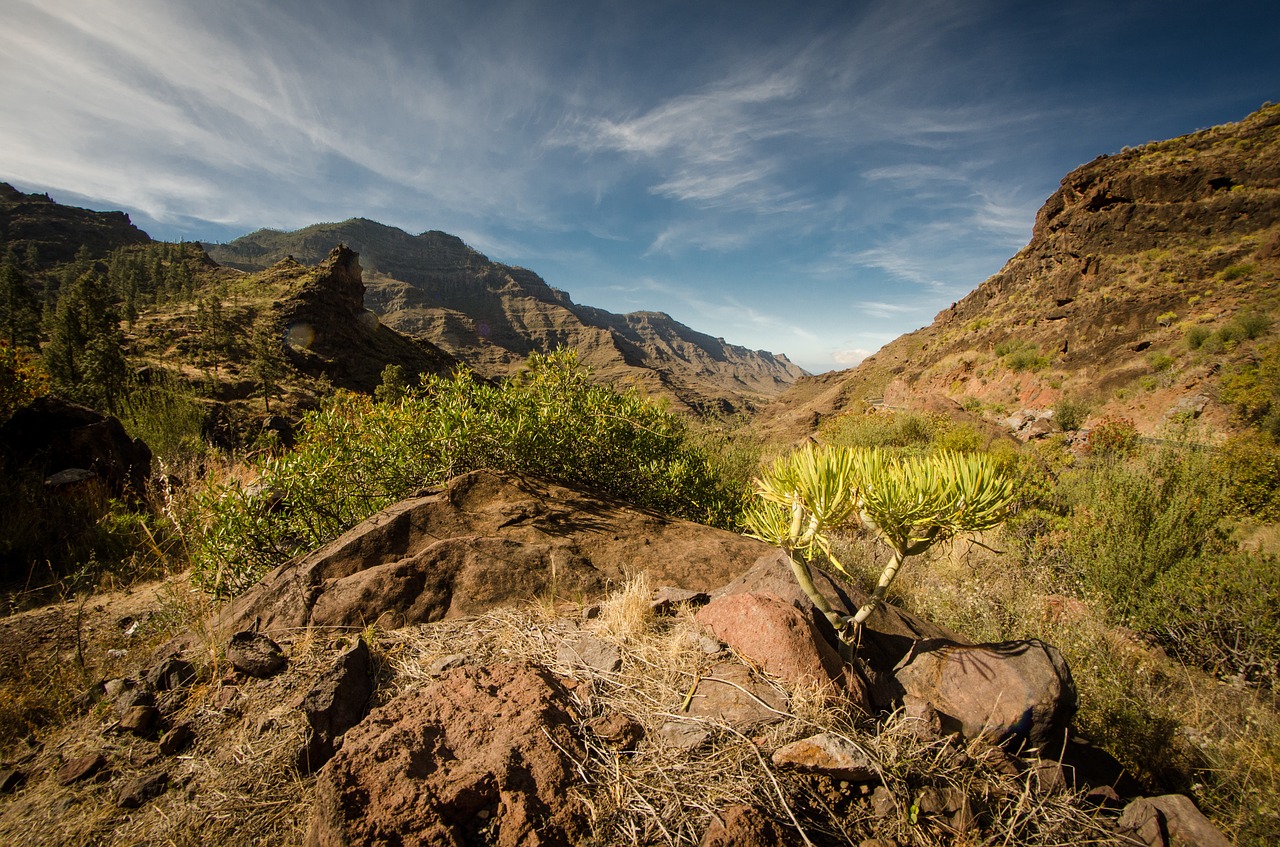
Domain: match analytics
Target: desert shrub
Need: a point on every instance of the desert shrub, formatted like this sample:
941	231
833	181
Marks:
1237	271
1113	436
1071	413
1250	468
356	456
1196	336
22	379
1133	520
1251	325
1020	355
166	414
1253	389
907	430
1218	612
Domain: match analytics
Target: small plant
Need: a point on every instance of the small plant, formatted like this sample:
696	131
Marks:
909	503
1238	271
1167	318
1070	413
1113	436
1196	336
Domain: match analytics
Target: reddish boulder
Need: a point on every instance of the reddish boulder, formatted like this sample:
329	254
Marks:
481	755
1010	692
1171	820
483	540
781	639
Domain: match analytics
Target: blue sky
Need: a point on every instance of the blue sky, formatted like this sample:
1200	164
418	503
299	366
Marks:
807	178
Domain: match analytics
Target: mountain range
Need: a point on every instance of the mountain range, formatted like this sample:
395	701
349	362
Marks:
491	316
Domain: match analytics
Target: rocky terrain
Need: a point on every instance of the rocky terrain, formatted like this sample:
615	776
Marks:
56	231
492	316
1132	256
381	692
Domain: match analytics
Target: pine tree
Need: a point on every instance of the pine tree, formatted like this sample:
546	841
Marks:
84	355
19	308
267	359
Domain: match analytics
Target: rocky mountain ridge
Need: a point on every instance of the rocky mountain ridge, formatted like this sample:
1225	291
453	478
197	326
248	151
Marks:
57	231
1132	258
492	316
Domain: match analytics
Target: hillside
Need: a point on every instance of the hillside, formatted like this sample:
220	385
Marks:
1149	275
56	231
492	316
317	335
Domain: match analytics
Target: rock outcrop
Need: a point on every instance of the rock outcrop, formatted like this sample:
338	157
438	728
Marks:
1131	251
482	540
456	763
57	232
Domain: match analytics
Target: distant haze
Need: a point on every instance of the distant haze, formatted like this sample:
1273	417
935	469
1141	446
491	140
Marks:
810	179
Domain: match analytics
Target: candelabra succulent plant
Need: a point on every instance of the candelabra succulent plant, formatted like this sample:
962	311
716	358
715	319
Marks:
908	502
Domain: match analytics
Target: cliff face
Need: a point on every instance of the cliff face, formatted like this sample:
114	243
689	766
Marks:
1127	259
57	231
492	316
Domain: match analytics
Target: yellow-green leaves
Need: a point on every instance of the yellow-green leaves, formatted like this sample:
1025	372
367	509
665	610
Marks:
909	502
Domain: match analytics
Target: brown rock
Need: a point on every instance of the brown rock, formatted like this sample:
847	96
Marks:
10	780
170	673
135	792
479	755
776	636
831	755
173	741
729	693
584	650
1171	820
1013	692
668	598
746	826
336	703
81	768
255	654
139	720
483	540
617	730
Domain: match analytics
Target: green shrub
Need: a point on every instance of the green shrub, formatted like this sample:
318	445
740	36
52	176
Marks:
1250	468
1196	336
167	415
1071	413
916	431
356	456
1113	436
1133	520
1237	271
1020	355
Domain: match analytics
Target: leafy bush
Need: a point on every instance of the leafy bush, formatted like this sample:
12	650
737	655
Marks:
1020	355
167	415
1253	388
1071	413
1237	271
908	430
1196	336
356	456
1250	468
1134	520
1113	436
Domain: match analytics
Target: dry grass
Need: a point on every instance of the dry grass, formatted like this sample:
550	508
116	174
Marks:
238	784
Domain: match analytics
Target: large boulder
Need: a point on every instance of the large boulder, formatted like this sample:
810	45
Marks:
483	540
481	755
52	435
1012	692
1171	820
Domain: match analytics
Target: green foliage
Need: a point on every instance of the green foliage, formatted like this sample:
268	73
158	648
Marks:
356	456
1021	355
1196	336
266	359
1253	388
22	379
165	413
19	307
894	429
1113	436
1218	612
1249	466
1071	413
83	355
1133	520
1237	271
1166	318
394	385
909	502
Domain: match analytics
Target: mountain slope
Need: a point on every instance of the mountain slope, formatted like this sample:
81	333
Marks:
56	231
1149	274
492	316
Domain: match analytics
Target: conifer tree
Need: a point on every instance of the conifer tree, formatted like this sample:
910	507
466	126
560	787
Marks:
84	355
19	308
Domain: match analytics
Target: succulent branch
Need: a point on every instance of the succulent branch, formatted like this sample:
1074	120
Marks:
907	502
